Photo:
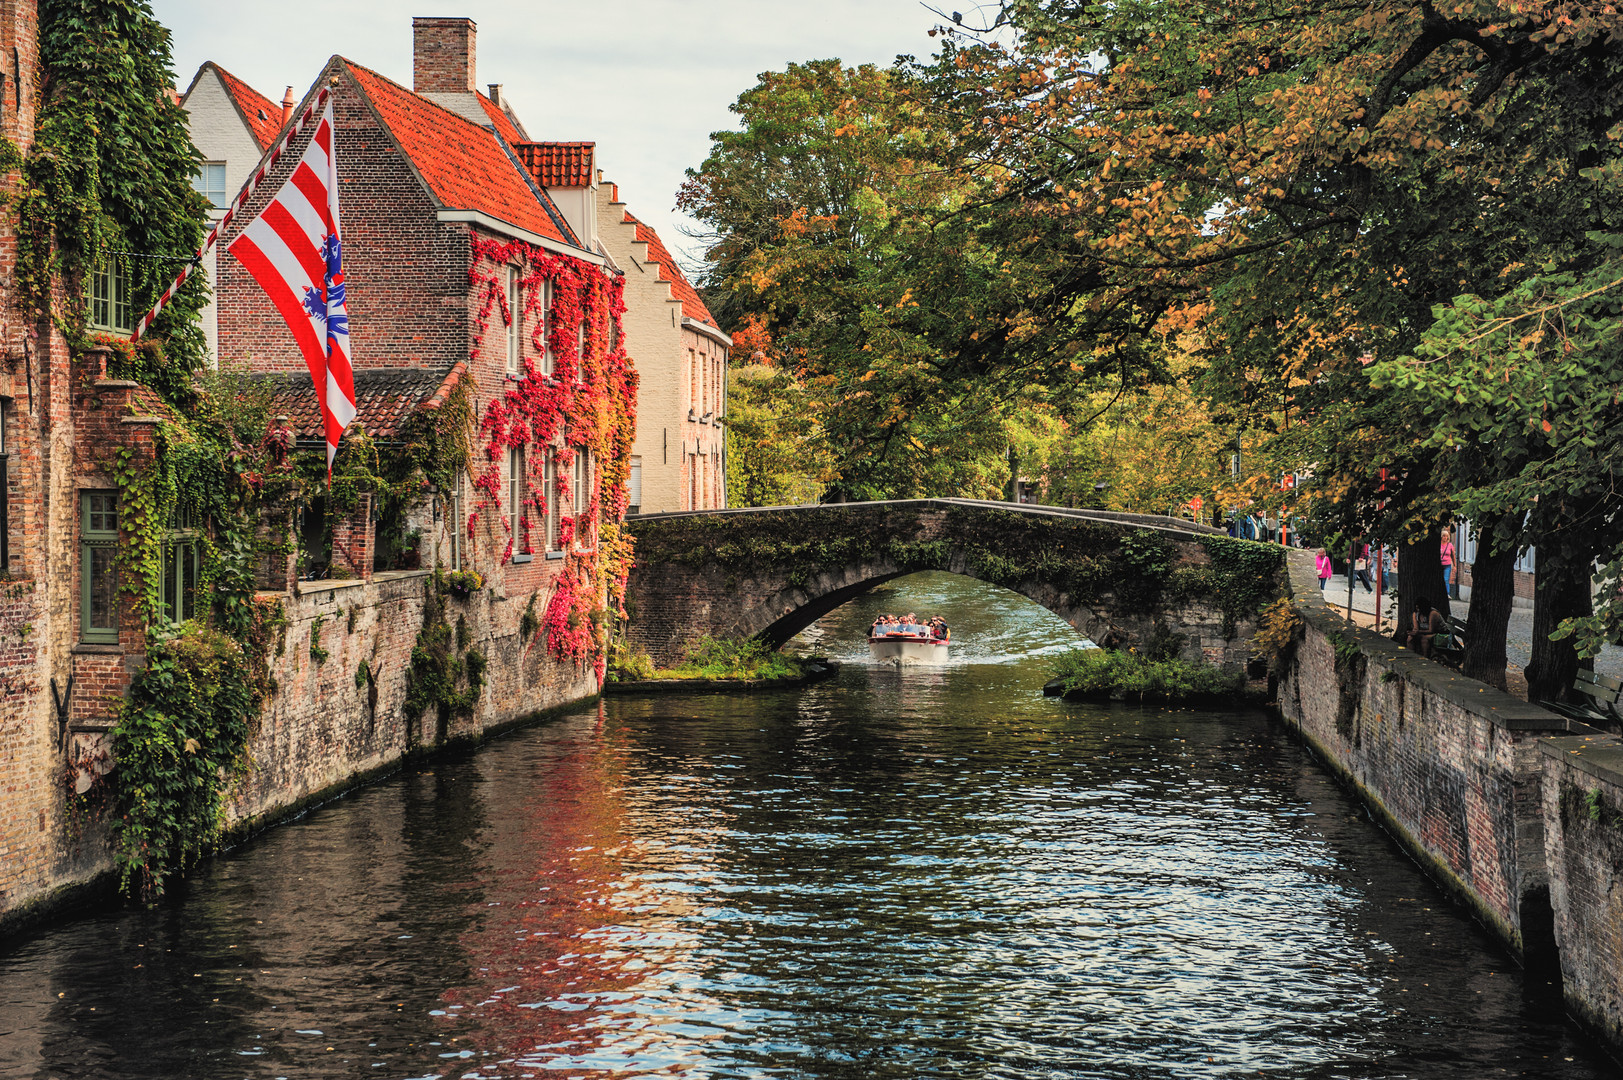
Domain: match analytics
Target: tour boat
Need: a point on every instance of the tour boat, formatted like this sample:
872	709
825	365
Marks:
898	647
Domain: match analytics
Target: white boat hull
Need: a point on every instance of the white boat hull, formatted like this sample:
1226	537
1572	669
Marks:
899	650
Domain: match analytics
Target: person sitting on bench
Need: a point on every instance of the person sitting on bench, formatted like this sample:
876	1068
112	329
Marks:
1425	622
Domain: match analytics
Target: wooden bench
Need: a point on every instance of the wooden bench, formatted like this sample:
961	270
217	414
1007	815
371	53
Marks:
1601	706
1451	648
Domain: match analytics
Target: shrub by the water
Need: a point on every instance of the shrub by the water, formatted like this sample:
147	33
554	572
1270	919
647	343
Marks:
727	658
1108	673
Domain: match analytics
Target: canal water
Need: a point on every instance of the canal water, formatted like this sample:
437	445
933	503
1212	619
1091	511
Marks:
926	873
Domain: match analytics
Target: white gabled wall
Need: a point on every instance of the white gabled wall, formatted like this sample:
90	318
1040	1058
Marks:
219	134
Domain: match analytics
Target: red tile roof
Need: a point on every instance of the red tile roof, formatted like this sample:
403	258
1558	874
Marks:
263	117
465	166
385	398
499	117
558	164
681	289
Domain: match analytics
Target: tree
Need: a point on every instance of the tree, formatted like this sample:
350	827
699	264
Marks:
1326	179
845	218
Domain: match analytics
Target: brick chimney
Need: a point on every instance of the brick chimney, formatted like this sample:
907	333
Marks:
442	56
287	105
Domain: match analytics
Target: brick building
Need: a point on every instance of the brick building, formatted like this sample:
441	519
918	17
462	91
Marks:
679	461
233	126
682	353
66	645
466	284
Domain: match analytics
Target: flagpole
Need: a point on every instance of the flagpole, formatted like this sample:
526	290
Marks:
247	192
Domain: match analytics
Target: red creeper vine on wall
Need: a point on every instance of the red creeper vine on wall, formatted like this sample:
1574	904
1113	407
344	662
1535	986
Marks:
586	405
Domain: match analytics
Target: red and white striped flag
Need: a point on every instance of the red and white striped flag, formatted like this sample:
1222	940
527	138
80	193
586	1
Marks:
294	250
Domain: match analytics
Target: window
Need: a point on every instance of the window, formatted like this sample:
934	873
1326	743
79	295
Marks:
515	317
514	486
582	486
210	181
179	586
5	493
457	524
549	487
110	298
546	327
634	487
693	380
98	577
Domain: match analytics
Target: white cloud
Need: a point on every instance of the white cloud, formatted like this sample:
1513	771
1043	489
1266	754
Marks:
647	80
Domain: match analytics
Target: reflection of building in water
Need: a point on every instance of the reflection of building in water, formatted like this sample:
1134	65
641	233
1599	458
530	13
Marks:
586	917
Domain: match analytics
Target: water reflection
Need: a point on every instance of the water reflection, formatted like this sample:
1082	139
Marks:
926	872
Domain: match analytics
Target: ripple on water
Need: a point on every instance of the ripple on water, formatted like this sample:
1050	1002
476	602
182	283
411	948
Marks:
921	873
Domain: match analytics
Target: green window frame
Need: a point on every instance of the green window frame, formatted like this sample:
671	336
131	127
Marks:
178	589
98	569
109	296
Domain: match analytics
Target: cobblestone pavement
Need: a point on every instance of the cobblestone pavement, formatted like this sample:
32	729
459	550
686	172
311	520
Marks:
1518	638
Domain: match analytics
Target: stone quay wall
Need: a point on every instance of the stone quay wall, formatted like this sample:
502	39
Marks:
1514	810
1450	766
1583	842
326	728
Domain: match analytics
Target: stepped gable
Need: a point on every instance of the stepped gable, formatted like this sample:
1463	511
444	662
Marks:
385	398
263	117
558	164
681	289
464	165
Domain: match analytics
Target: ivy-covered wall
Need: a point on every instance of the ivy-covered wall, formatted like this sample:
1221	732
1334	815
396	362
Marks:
772	573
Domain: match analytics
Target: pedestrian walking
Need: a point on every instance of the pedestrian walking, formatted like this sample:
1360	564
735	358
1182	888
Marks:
1361	567
1447	553
1322	563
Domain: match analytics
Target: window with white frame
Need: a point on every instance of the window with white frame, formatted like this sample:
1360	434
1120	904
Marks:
634	487
546	326
582	486
515	319
513	486
580	343
549	487
109	289
209	180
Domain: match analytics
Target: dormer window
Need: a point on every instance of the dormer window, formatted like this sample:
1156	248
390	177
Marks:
110	299
210	182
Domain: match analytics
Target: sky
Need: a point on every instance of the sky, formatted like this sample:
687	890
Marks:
647	80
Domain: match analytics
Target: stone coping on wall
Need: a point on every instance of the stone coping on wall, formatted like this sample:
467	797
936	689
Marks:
308	587
1105	517
1600	755
1494	705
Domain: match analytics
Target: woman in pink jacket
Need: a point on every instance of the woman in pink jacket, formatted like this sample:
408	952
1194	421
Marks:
1323	564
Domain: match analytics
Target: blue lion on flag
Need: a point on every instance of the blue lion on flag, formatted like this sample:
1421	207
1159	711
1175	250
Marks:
329	308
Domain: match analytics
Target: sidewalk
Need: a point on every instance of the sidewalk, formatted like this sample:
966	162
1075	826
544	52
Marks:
1518	638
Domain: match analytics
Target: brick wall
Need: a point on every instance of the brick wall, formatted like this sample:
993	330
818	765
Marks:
1583	840
443	56
407	274
1452	767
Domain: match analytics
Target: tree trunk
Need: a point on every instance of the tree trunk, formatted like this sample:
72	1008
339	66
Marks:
1493	576
1420	573
1560	591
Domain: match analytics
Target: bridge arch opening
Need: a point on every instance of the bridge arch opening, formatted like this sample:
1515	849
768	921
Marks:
990	623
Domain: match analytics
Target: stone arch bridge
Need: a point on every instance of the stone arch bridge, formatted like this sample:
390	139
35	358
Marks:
1119	579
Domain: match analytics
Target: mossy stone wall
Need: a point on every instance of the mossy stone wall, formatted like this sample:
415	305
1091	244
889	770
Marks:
772	572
